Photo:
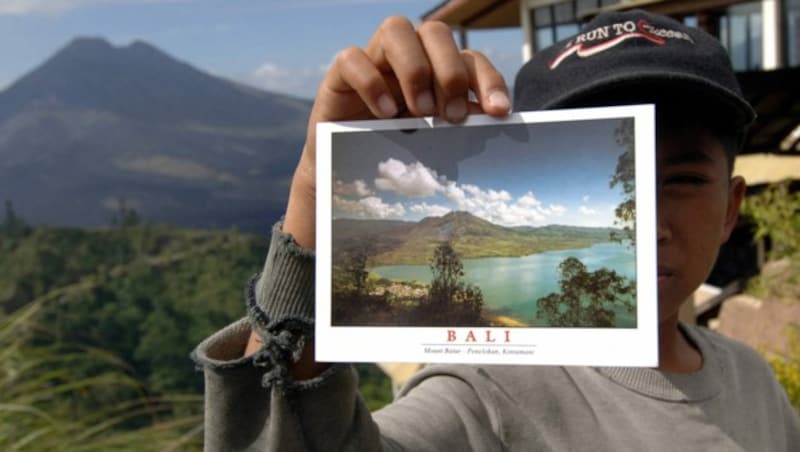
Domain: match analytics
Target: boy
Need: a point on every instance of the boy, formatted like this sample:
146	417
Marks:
708	393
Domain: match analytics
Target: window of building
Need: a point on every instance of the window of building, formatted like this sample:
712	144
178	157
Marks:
741	33
558	21
585	6
791	26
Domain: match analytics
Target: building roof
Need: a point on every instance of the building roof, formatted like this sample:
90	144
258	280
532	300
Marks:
483	14
476	14
775	95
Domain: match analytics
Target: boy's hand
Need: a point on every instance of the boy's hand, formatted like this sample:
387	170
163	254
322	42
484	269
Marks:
402	72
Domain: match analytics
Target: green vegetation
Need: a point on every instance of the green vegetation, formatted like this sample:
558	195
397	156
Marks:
448	301
587	299
625	176
13	227
395	242
64	397
451	302
776	215
592	299
375	386
148	294
787	368
96	327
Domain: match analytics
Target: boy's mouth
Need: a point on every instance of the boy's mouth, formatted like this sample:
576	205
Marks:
664	274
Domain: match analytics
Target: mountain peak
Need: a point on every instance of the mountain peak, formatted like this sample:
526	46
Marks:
99	51
455	214
141	82
101	45
139	47
88	43
139	44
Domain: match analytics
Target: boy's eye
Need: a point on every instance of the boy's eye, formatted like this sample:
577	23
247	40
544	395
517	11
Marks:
685	179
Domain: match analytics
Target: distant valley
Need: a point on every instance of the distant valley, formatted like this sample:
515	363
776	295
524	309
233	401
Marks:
398	242
95	125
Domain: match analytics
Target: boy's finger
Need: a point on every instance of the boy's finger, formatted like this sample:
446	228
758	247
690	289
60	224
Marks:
354	71
474	108
450	76
487	83
396	49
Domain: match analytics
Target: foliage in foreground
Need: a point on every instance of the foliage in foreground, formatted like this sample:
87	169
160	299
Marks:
776	214
137	299
148	294
787	368
62	397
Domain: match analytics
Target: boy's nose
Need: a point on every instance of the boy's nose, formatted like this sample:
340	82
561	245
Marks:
663	232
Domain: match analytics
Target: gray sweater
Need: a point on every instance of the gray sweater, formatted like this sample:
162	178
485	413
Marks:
733	403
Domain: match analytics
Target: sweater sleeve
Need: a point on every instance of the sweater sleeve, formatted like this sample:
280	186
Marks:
252	403
242	413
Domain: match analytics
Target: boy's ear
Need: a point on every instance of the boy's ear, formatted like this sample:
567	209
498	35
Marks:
736	191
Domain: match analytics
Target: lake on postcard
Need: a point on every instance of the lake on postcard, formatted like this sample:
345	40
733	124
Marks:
511	285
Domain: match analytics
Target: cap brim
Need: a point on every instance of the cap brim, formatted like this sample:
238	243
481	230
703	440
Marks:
646	84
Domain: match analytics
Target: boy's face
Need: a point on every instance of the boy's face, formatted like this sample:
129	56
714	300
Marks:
698	204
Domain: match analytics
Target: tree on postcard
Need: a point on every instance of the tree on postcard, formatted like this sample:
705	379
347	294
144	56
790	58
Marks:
352	302
587	299
355	265
625	176
451	301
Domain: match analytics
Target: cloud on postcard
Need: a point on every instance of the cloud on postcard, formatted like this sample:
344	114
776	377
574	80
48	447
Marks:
500	207
429	210
356	188
520	212
370	207
413	180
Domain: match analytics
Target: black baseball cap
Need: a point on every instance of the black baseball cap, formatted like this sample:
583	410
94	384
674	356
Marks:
637	51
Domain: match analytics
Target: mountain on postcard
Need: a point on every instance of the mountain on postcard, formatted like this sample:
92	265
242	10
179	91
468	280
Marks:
402	242
96	125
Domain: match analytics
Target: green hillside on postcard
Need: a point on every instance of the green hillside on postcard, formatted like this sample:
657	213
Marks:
400	242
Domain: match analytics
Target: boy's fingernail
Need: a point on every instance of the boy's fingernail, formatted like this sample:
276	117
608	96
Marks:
387	105
425	103
456	109
500	101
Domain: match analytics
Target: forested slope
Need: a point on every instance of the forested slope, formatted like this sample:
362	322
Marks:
96	328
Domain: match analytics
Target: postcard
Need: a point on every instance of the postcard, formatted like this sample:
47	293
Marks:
528	239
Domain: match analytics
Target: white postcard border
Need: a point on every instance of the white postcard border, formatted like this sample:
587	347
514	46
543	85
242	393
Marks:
546	346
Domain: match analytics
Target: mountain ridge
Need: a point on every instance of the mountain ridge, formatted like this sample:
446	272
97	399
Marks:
96	123
471	237
140	81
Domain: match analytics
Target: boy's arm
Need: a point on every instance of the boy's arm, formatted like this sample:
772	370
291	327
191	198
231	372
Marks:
252	402
402	72
263	388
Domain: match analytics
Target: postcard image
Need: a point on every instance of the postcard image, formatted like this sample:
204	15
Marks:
528	239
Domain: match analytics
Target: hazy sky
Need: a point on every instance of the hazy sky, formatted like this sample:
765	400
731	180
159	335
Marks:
531	175
280	45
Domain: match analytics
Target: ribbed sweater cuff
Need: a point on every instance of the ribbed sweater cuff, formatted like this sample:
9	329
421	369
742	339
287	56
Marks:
284	291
